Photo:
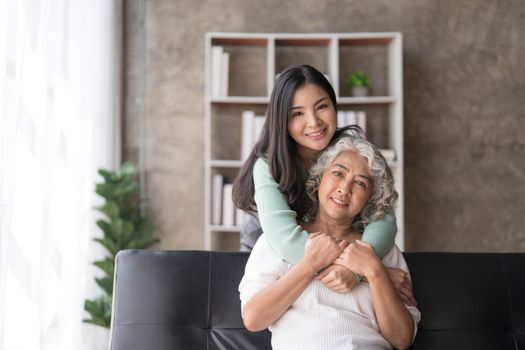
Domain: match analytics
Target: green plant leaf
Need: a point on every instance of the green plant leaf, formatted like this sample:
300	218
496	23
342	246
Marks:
110	246
358	79
106	265
100	311
127	169
107	175
106	227
110	209
106	191
106	283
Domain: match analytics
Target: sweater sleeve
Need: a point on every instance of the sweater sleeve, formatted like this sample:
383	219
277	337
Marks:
277	220
381	234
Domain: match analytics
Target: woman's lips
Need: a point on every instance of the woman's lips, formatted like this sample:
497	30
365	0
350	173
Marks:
316	135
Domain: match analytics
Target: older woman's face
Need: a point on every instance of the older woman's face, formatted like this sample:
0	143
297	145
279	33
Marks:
346	186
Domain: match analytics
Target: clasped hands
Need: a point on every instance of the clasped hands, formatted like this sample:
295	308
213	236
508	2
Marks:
338	261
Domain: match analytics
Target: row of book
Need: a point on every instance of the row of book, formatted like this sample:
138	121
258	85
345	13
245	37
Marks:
345	118
220	70
223	212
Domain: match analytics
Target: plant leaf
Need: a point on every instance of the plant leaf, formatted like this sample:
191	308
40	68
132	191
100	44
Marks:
100	311
106	265
110	209
106	283
110	246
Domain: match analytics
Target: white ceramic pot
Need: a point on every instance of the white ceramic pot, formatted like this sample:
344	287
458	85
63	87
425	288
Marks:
359	91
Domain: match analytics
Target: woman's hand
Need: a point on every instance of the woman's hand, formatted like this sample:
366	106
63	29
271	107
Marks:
338	278
402	284
359	257
321	250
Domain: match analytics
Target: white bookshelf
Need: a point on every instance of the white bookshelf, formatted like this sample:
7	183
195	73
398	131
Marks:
266	54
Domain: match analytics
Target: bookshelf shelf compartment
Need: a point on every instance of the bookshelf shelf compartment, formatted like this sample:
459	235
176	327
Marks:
254	61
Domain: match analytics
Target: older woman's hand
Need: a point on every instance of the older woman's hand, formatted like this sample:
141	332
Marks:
403	285
338	278
321	250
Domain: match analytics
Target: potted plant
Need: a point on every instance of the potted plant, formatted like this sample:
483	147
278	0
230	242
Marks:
359	83
124	228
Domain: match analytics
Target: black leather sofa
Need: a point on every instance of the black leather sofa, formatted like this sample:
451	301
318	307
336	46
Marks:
166	300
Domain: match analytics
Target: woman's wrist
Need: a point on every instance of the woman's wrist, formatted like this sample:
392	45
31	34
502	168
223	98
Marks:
308	267
375	270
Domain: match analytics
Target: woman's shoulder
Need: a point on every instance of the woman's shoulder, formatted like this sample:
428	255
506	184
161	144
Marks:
260	163
264	253
394	258
261	169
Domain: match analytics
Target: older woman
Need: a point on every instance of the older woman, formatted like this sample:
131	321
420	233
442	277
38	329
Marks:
351	185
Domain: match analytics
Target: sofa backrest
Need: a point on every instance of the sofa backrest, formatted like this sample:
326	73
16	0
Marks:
189	300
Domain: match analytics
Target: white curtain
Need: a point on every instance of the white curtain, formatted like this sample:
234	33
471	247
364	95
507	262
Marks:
59	106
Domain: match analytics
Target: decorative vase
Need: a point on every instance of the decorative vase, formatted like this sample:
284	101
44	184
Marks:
359	91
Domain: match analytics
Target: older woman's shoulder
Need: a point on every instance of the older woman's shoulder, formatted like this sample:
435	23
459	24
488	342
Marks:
394	258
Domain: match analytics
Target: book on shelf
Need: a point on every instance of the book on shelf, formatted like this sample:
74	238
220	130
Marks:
225	74
361	120
216	199
228	209
351	118
220	67
251	128
345	118
341	119
247	135
259	124
216	68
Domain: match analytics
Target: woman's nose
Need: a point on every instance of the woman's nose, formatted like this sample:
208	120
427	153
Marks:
314	119
344	189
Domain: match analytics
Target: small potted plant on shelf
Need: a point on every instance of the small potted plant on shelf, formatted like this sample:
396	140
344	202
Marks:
359	83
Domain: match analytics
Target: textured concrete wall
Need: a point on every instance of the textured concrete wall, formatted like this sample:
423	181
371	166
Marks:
464	84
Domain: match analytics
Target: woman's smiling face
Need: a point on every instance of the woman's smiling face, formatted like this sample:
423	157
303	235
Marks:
345	187
313	120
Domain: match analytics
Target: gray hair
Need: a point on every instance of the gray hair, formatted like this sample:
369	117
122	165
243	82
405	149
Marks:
384	195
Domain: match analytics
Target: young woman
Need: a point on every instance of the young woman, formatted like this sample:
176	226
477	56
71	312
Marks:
350	184
300	123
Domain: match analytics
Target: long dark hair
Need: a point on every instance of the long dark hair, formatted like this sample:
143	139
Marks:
277	147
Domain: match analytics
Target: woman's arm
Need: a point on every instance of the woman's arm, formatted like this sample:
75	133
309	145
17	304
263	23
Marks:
270	303
381	234
395	321
277	220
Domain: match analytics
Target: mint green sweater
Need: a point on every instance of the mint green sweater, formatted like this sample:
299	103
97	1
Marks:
280	226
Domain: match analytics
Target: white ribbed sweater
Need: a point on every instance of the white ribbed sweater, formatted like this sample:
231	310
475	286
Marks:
319	318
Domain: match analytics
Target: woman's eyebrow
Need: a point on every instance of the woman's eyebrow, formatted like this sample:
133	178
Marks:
317	102
341	166
366	177
360	175
320	100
